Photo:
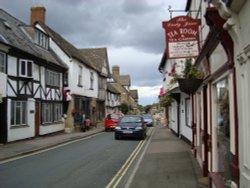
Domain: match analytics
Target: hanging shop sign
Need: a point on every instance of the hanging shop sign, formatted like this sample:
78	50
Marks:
182	37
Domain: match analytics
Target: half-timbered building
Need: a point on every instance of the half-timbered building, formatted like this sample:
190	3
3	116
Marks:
31	82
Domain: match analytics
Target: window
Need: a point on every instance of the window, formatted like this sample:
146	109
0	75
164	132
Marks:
57	112
18	113
66	79
47	109
52	78
2	62
188	114
80	76
223	129
25	68
51	112
91	80
41	39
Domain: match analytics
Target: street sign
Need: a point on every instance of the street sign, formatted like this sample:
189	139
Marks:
182	37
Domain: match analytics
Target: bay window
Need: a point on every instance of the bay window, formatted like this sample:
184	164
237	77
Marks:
51	112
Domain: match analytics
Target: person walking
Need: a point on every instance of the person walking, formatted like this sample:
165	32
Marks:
83	127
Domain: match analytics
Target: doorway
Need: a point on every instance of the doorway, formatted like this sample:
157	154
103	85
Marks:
37	119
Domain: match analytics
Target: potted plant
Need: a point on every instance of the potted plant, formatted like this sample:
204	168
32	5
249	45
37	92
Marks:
190	78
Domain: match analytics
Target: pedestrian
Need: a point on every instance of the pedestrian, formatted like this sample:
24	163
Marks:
87	123
83	127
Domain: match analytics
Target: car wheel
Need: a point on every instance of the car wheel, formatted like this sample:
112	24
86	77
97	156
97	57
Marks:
143	136
117	137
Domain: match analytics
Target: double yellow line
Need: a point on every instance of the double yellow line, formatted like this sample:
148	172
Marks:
120	174
117	178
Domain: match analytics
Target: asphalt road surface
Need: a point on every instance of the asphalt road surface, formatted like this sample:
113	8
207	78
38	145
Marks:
89	163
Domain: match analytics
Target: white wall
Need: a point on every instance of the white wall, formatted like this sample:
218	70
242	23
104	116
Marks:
73	65
45	129
22	132
12	66
240	34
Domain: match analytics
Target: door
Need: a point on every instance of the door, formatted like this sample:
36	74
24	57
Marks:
37	118
205	133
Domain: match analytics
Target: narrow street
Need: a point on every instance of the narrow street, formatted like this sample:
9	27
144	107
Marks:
87	163
161	160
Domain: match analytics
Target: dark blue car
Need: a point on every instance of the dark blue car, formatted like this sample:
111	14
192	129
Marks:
132	126
148	119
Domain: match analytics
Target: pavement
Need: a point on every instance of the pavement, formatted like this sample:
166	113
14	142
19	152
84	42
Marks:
167	162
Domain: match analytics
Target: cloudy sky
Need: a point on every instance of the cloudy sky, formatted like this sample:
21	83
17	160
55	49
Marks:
130	29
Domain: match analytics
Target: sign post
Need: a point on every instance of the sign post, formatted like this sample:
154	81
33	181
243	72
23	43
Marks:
182	37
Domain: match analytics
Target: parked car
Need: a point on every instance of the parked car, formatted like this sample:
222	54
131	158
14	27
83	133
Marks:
131	126
149	120
111	120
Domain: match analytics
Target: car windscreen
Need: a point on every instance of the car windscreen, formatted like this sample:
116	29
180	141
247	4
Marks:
147	116
115	116
131	119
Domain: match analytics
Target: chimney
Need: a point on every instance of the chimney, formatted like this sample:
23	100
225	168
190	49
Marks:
116	70
37	14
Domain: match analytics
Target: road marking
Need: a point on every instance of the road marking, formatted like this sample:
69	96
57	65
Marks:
41	150
123	170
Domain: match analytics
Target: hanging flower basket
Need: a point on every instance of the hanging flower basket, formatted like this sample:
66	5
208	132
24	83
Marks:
189	85
73	111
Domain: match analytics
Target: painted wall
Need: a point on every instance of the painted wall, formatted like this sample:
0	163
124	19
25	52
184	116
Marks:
239	31
73	65
52	128
17	133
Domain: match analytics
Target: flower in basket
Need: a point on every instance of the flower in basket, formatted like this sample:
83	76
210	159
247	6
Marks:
190	71
166	99
190	78
73	111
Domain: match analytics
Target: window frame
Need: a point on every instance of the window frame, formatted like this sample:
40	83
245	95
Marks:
20	109
25	68
188	112
41	39
3	63
52	78
51	112
91	80
79	79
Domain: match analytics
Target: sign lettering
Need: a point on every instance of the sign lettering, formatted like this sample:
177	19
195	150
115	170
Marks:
182	37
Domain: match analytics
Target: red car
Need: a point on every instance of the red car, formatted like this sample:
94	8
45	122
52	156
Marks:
111	120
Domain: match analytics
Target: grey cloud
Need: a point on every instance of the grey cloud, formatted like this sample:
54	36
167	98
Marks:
115	24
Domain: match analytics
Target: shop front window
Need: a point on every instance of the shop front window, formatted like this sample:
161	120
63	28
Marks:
223	131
